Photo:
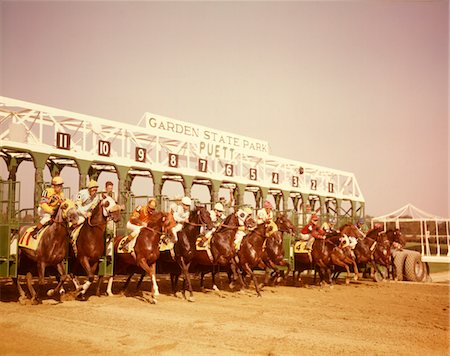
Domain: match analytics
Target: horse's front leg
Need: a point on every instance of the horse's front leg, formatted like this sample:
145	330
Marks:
255	282
62	279
215	288
22	294
185	269
142	263
34	297
109	292
87	267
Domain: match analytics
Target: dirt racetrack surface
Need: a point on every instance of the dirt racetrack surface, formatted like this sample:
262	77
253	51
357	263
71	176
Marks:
397	318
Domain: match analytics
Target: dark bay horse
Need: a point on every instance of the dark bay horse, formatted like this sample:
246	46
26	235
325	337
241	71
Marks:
374	250
90	243
252	249
185	249
222	249
273	254
146	251
51	251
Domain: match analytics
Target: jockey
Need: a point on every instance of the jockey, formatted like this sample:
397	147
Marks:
217	216
361	226
242	214
50	200
328	226
181	215
265	216
312	231
86	201
139	219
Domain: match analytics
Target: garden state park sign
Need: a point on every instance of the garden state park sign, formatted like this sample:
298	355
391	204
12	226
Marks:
209	142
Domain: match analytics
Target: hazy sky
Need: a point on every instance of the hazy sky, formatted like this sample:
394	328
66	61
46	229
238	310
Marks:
357	86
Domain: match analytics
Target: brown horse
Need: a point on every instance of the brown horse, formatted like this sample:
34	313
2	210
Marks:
90	244
222	249
374	250
252	249
273	254
51	251
146	251
184	250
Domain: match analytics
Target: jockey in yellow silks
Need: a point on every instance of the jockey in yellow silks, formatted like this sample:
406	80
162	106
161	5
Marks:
50	200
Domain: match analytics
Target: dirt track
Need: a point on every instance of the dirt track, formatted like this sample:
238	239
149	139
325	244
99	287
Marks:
363	318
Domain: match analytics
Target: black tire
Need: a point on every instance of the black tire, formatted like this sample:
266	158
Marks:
415	269
399	264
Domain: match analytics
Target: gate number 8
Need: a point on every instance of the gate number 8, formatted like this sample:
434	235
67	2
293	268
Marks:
173	160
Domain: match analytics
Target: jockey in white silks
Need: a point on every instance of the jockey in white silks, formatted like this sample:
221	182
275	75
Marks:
242	214
181	215
86	200
217	216
265	216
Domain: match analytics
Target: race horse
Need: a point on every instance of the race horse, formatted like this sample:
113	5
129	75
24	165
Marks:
273	253
146	252
90	244
330	251
373	249
250	253
184	250
222	249
51	251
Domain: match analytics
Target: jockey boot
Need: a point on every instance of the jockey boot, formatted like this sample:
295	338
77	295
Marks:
36	230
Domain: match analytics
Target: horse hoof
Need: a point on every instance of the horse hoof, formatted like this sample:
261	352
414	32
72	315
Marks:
81	297
279	279
232	285
50	292
35	301
23	300
109	294
191	299
156	294
259	295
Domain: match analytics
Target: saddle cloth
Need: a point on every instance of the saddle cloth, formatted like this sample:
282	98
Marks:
28	242
200	245
300	247
123	241
165	245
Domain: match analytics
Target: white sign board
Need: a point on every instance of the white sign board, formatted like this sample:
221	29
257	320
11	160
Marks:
211	143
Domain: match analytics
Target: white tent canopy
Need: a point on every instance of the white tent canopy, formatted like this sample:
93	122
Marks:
409	212
432	244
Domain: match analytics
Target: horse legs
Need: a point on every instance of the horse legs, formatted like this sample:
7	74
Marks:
142	263
87	267
99	284
214	280
255	282
34	297
23	296
187	278
109	287
236	272
62	279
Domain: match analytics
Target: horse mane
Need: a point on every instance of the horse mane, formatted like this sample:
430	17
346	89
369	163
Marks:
228	222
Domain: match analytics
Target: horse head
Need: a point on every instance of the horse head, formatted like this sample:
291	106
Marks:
396	238
285	225
110	208
69	211
250	223
351	230
168	223
203	216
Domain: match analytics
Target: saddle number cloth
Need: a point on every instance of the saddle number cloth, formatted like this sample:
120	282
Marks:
130	248
300	247
29	242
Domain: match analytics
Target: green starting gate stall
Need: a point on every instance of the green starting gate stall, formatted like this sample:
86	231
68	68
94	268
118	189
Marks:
166	149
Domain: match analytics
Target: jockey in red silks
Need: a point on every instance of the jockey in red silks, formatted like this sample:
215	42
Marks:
312	231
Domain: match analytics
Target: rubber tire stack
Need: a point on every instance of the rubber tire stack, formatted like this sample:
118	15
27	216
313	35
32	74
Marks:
409	266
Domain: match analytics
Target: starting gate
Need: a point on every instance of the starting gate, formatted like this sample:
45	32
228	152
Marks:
165	149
